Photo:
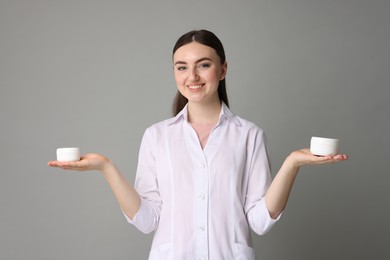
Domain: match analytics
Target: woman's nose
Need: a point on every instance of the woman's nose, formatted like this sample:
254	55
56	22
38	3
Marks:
194	75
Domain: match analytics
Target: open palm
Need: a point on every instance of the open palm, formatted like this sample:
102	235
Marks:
87	162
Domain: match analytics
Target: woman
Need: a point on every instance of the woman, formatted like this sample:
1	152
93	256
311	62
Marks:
203	177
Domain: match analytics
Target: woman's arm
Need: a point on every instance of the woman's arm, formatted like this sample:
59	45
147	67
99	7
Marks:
278	193
127	197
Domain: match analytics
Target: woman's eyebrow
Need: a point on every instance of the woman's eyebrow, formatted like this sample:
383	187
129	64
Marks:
197	61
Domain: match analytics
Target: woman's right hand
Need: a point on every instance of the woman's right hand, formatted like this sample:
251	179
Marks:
128	198
87	162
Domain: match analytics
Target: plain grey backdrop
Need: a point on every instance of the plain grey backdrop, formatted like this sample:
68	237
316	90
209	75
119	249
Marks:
95	74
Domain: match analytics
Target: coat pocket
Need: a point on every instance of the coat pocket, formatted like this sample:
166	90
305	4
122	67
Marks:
162	252
243	252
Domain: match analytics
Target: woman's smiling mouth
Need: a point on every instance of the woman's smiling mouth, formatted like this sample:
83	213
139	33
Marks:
195	87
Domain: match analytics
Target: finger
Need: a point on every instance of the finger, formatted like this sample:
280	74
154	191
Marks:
69	168
334	159
54	164
51	163
66	165
340	157
322	159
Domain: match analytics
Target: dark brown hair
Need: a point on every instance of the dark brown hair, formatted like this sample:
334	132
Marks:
211	40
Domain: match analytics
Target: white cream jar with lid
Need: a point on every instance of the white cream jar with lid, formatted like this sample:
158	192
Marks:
324	146
68	154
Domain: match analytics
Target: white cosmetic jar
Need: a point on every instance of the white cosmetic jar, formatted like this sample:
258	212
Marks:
68	154
324	146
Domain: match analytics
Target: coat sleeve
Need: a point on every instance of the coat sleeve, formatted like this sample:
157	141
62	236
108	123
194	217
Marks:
147	217
259	181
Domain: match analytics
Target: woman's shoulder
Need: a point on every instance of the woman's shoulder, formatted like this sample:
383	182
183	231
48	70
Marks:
248	124
160	126
243	123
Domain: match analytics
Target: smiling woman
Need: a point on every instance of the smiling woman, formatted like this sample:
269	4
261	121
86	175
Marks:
207	39
198	71
203	178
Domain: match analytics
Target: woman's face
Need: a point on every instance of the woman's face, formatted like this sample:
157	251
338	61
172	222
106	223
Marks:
198	70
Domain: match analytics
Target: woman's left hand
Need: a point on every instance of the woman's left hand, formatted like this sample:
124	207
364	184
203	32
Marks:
304	156
279	191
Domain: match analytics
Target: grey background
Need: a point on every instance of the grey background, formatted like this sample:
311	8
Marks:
95	74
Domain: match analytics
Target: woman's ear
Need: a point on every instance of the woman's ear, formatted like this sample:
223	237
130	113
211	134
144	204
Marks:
224	71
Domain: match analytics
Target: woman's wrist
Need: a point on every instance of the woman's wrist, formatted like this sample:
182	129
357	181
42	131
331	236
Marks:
107	166
292	162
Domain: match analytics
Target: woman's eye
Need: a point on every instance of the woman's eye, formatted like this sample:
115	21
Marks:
204	65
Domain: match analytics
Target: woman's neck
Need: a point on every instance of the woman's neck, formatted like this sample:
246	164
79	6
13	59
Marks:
204	113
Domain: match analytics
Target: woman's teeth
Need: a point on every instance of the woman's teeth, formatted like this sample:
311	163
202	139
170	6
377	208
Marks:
195	87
